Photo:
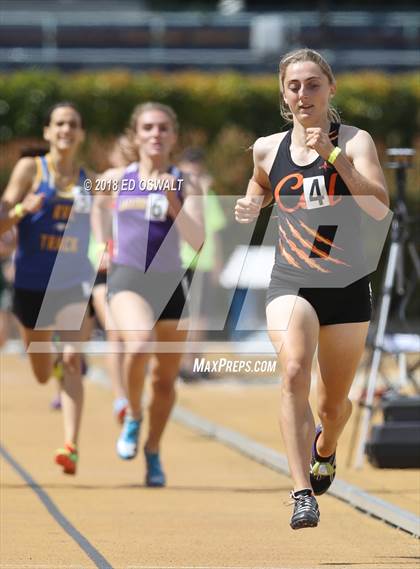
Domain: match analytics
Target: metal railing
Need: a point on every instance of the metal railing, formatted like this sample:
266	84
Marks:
170	39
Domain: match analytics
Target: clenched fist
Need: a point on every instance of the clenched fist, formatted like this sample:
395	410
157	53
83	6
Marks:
319	140
32	203
247	209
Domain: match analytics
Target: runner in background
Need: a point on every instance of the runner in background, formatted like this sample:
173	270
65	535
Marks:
156	205
121	155
205	266
45	201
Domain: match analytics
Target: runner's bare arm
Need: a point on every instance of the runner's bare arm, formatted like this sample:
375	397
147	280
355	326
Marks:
18	191
258	193
358	165
259	184
364	177
188	216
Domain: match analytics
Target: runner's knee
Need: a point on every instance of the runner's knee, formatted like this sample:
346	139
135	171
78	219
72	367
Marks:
164	383
296	376
71	359
137	346
136	355
334	413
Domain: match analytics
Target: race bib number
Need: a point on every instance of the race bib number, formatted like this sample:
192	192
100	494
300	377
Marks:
315	192
81	201
157	207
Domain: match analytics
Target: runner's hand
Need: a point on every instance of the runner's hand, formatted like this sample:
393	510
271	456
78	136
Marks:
246	210
319	140
32	203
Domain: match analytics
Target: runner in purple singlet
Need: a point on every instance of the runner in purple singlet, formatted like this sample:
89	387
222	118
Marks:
155	205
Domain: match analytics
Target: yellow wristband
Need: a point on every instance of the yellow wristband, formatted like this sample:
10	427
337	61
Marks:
18	211
333	156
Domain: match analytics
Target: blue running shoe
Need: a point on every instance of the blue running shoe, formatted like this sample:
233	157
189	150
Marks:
128	439
155	477
322	470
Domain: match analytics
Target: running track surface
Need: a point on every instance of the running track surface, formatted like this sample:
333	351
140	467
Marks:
219	510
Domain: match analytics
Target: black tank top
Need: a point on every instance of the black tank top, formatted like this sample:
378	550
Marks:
319	222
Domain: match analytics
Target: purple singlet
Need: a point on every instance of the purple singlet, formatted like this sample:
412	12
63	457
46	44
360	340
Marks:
141	224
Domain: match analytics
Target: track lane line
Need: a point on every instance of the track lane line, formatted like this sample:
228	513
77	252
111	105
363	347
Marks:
97	558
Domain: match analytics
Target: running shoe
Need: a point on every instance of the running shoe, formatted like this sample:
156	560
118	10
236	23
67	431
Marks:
322	470
67	457
128	439
306	511
155	477
120	409
55	403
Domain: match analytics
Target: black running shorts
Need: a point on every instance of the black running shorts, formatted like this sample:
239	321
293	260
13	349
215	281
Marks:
27	305
352	303
151	287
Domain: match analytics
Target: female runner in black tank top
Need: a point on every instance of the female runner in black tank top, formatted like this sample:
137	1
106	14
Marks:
321	176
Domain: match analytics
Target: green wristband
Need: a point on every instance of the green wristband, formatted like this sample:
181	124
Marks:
333	156
19	211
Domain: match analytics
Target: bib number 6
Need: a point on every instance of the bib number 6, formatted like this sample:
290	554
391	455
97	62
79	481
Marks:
157	207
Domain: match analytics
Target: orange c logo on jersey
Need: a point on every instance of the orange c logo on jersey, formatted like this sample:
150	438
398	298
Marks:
299	184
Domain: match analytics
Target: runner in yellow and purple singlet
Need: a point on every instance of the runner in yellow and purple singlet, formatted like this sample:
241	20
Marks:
46	201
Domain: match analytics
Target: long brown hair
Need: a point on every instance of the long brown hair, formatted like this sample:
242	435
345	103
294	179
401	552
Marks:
299	56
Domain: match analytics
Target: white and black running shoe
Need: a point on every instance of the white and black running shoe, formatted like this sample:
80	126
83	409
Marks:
306	511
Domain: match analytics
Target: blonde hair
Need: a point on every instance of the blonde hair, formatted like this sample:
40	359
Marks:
152	106
299	56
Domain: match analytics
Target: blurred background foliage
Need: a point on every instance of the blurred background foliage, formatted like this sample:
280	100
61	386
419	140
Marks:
222	112
385	105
